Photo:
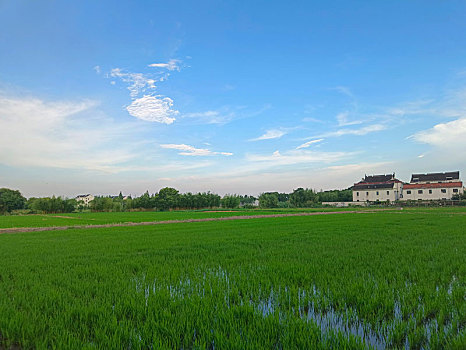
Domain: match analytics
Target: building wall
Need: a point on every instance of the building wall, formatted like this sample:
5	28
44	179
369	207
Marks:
85	200
430	193
382	194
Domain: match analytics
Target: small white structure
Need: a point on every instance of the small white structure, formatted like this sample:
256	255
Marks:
378	188
85	199
433	186
345	204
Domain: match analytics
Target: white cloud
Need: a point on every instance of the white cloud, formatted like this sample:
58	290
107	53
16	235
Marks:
193	151
357	132
446	135
172	64
212	117
153	109
299	156
344	90
270	134
342	119
60	134
138	82
309	143
97	69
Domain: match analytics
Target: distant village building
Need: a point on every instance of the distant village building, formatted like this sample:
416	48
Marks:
378	188
85	199
433	186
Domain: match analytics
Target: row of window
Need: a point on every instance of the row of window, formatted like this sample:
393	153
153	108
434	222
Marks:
367	193
443	190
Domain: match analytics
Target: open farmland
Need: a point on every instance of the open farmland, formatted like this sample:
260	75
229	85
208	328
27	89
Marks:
90	218
392	279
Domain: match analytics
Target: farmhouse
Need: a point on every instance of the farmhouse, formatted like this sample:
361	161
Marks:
433	186
377	188
84	198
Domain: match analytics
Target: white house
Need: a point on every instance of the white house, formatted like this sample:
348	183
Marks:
378	188
84	198
433	186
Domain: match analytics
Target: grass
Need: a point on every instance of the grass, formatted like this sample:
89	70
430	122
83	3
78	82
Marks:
354	281
89	218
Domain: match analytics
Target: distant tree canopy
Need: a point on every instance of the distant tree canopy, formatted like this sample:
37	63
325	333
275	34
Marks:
51	205
169	198
336	196
268	200
11	200
231	201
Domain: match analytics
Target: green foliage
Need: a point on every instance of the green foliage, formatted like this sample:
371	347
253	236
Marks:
302	198
268	200
167	198
281	283
51	205
231	201
11	200
336	196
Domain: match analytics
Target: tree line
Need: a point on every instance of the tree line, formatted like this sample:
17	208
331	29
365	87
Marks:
168	199
303	198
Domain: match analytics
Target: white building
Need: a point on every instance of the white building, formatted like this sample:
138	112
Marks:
433	186
84	198
378	188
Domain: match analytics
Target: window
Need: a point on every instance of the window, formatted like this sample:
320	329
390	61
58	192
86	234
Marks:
430	191
388	193
367	193
357	194
444	190
377	193
419	191
408	192
455	190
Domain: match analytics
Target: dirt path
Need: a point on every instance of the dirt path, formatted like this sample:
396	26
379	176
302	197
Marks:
150	223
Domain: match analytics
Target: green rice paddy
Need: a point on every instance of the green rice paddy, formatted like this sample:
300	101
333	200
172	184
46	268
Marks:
90	218
380	280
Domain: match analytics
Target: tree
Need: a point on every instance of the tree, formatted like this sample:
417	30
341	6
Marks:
11	200
230	201
167	198
268	200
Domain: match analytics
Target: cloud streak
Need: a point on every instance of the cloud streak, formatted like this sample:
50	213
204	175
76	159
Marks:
171	65
187	150
270	134
309	143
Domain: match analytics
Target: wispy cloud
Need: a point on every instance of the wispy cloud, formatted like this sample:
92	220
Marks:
137	82
271	134
224	115
298	156
59	134
212	116
188	150
447	135
172	64
343	120
309	143
153	109
344	90
356	132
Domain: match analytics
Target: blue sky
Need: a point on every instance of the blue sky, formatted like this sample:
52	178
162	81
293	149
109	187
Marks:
232	97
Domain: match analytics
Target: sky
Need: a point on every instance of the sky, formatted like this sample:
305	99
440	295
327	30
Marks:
228	96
